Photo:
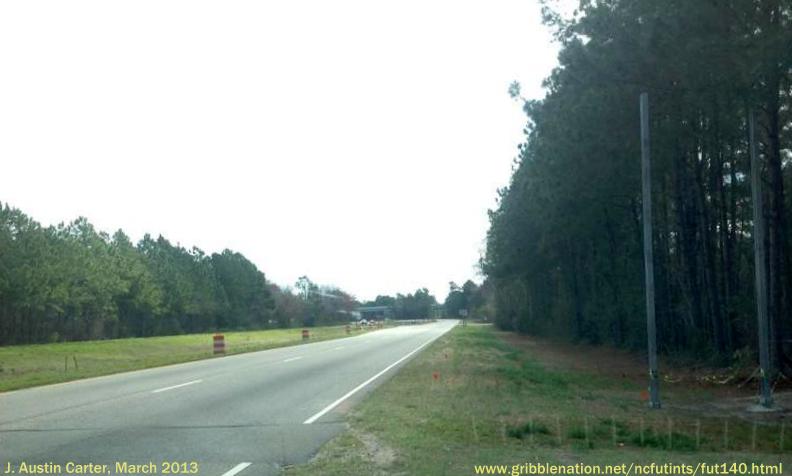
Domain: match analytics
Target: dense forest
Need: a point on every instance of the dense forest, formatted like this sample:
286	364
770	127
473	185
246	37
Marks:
72	282
564	249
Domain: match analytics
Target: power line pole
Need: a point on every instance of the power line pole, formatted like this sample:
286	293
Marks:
766	397
651	328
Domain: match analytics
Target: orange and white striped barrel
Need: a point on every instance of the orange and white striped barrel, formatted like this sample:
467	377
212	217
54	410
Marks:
219	344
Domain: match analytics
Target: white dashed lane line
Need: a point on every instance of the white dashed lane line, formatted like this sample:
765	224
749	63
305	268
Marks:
236	469
165	389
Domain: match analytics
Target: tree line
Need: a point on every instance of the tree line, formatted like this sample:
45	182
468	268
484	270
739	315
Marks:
318	305
417	305
72	282
469	300
564	248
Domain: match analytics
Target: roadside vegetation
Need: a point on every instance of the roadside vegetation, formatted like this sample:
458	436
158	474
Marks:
481	396
24	366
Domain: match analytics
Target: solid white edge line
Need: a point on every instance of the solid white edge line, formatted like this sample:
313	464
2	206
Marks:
236	469
292	359
176	386
359	387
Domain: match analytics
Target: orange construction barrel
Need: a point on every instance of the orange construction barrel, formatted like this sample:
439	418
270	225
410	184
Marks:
219	344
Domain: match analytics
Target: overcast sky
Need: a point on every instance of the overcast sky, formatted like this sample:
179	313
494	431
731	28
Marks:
357	142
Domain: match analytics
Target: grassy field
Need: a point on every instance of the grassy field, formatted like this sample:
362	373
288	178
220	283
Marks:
473	398
30	365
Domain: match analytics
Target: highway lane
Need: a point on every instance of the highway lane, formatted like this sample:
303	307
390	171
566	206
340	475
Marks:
268	409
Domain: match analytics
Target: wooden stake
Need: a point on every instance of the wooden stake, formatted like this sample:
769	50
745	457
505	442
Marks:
586	429
698	433
531	429
726	434
560	436
670	433
613	430
642	431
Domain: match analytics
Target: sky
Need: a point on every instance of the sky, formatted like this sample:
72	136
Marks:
359	143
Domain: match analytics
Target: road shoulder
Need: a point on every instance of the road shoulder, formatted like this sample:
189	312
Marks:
472	398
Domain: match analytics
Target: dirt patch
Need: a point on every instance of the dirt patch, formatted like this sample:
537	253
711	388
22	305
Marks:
355	448
375	451
563	356
698	390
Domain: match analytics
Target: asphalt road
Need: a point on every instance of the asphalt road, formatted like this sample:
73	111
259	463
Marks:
247	414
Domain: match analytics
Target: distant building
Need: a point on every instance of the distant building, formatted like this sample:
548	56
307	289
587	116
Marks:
352	315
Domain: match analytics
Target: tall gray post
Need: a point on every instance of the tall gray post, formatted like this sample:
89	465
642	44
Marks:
766	397
651	328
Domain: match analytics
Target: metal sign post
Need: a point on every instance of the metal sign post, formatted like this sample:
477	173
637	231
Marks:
646	177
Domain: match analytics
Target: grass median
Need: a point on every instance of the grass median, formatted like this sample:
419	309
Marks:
476	397
24	366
